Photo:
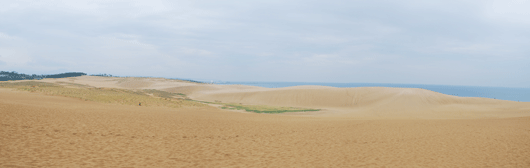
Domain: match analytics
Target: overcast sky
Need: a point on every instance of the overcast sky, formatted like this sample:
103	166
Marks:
464	42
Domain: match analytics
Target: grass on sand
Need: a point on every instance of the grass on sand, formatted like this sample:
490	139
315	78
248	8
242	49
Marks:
258	108
147	97
104	95
264	109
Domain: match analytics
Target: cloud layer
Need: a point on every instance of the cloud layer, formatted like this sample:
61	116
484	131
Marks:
482	43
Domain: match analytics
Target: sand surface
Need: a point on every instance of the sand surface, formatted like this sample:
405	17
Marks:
360	103
371	128
374	102
46	131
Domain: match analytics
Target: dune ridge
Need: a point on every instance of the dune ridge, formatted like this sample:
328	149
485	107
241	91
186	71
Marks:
357	127
39	130
374	102
361	102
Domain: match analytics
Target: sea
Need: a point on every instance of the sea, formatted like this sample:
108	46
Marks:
502	93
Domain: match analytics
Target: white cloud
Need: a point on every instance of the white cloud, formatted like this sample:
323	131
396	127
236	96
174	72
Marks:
226	38
13	51
125	41
330	60
14	57
511	11
194	51
326	39
4	36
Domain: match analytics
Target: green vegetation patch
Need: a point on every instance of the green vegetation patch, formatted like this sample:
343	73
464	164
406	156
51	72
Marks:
163	94
26	84
257	108
264	109
73	84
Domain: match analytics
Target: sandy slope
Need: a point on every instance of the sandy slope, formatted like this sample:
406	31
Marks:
360	103
38	130
375	102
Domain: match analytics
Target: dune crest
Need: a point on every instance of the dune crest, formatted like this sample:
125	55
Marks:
361	102
39	130
373	102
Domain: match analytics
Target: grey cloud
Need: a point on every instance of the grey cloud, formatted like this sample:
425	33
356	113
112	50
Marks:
436	42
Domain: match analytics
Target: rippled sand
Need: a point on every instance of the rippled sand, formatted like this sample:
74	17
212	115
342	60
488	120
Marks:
47	131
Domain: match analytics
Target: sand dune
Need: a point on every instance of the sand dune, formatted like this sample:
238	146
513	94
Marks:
358	127
360	103
123	83
373	102
49	131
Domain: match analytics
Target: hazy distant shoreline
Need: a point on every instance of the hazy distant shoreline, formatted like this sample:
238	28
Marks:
502	93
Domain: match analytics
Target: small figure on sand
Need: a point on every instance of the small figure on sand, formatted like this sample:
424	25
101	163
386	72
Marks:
139	103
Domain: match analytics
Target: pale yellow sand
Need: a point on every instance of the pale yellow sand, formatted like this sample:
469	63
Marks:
46	131
374	102
360	103
358	127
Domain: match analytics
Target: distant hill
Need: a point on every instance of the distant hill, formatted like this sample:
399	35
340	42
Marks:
5	75
109	75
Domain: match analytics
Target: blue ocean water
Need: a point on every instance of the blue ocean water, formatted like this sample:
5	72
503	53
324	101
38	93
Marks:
503	93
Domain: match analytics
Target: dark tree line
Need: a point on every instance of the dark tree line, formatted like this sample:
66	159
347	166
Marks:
104	75
5	75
